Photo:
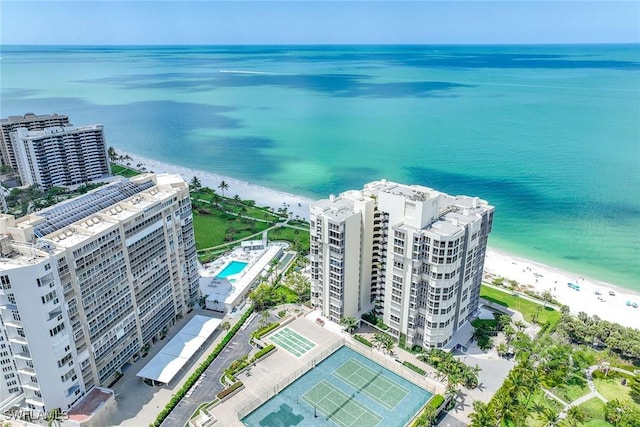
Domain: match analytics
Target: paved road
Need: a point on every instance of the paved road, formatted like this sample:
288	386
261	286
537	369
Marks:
210	384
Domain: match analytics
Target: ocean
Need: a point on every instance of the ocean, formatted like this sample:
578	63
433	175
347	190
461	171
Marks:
550	135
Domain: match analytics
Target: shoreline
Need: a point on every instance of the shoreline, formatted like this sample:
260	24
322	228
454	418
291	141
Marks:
537	276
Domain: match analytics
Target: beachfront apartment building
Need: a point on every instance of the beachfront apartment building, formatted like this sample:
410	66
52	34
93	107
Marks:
87	283
411	254
60	156
29	121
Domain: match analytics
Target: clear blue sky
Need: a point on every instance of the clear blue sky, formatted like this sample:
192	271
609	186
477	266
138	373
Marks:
318	22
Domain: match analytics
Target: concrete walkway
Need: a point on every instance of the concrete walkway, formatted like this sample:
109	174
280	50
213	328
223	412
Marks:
579	401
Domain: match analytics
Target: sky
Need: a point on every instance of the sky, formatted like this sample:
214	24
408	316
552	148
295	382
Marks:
159	22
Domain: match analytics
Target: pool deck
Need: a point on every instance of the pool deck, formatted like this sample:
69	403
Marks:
262	377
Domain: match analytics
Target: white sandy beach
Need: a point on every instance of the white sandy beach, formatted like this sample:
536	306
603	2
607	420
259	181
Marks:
539	276
543	277
263	196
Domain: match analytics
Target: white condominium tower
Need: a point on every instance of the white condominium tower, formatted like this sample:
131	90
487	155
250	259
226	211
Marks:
412	254
85	284
60	156
29	121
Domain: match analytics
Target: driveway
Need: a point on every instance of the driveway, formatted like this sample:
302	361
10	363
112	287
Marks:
210	381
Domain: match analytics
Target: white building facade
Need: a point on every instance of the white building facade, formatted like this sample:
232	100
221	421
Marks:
60	156
85	284
29	121
412	254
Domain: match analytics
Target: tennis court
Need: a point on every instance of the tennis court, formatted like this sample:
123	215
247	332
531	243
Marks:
383	390
346	390
339	407
292	341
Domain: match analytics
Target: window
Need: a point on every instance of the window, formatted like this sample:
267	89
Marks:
55	331
4	282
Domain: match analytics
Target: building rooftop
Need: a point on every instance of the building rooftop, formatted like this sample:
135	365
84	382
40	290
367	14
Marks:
66	213
55	130
29	117
89	404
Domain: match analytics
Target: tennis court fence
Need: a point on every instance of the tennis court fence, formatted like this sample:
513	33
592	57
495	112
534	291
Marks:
257	402
395	367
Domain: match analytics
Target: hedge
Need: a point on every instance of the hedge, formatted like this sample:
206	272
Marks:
363	340
199	370
239	364
262	352
264	331
430	408
437	400
227	391
414	367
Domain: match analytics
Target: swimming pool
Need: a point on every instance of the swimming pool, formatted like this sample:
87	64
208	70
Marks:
234	267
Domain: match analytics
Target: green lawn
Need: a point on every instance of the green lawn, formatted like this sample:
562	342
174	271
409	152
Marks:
611	388
286	294
540	400
290	234
210	230
575	386
526	307
123	171
594	410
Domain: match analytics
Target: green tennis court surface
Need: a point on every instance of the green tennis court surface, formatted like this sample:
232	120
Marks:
340	407
292	341
371	383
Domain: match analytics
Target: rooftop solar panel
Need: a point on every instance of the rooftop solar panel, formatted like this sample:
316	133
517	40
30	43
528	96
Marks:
60	216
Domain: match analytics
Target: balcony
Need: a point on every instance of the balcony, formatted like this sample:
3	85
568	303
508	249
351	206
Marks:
31	386
13	323
27	371
23	356
34	400
18	340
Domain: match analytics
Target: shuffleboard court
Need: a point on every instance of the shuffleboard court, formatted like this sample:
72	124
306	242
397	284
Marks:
292	341
339	407
383	390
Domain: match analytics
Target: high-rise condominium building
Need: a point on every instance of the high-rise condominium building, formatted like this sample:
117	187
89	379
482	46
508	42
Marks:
412	254
85	284
60	156
31	122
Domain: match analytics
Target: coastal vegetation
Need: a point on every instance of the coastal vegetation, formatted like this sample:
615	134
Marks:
533	312
558	364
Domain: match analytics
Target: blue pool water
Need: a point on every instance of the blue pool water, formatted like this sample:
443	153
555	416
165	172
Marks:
296	407
234	267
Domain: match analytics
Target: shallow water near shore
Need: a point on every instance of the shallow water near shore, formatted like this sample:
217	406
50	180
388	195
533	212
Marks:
548	134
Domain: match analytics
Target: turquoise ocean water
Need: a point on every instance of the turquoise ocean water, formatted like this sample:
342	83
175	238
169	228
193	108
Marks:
550	135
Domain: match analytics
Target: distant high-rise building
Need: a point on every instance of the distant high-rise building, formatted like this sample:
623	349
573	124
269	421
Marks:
412	254
60	156
85	284
31	122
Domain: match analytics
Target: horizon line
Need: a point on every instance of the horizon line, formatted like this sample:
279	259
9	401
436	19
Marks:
326	44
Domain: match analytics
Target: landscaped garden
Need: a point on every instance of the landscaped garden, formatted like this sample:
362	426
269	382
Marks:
532	311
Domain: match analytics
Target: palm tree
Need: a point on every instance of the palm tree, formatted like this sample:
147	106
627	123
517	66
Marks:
111	153
236	199
502	349
195	183
482	415
550	417
223	186
349	324
264	318
225	325
575	415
